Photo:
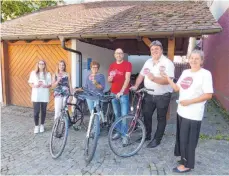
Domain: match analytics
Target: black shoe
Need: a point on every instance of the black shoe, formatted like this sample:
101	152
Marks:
148	138
175	169
154	143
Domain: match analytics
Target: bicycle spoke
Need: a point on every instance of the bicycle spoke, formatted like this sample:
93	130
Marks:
58	136
135	130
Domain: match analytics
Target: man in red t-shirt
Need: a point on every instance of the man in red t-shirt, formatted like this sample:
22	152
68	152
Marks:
119	76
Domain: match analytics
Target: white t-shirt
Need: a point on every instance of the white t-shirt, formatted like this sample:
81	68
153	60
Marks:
40	94
193	85
165	65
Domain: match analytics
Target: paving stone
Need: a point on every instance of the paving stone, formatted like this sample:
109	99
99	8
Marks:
23	153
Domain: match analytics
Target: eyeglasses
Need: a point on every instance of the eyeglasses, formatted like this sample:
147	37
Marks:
94	67
119	53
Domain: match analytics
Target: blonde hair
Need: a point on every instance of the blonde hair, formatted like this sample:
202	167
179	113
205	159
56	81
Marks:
58	70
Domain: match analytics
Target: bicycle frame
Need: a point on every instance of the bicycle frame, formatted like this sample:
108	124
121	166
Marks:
65	109
97	110
138	107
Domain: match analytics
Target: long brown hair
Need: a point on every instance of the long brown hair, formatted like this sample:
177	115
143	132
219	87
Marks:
58	70
37	70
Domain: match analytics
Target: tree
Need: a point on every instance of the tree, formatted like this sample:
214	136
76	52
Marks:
11	9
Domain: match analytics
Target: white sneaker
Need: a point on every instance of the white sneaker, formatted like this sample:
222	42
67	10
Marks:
36	129
42	128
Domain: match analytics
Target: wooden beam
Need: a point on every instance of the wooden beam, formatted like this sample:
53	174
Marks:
171	51
147	41
171	48
35	42
5	73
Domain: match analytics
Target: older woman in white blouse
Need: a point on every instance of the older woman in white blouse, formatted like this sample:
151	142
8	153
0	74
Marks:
195	88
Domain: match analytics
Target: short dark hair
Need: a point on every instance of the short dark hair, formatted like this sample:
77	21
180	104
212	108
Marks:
156	43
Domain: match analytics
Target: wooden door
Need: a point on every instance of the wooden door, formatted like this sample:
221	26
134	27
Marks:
22	60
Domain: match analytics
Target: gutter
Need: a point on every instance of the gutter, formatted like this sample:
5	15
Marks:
153	34
62	39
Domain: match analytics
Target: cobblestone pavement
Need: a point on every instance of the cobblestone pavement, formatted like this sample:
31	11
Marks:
23	153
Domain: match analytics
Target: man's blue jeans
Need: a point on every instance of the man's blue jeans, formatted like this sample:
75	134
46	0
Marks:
121	108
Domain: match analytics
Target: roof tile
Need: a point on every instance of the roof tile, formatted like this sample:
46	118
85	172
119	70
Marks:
112	17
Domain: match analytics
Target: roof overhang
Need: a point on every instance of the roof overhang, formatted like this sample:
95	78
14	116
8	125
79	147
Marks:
133	35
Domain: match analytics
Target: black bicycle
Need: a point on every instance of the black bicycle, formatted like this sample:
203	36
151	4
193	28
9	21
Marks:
61	125
130	127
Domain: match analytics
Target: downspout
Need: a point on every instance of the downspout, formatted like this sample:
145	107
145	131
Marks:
62	39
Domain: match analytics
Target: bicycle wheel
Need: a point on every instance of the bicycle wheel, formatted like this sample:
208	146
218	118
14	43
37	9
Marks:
59	135
134	134
91	141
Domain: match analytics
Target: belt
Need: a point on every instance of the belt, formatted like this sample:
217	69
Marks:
165	94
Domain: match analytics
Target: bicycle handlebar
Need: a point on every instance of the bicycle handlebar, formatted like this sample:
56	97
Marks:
142	90
96	95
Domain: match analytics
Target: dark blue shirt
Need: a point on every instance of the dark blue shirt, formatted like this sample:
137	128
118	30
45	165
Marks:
100	79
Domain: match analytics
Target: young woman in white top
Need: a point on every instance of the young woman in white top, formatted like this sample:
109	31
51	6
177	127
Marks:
40	81
195	88
61	83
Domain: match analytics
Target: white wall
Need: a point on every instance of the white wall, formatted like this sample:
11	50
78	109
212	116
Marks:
104	56
218	7
137	62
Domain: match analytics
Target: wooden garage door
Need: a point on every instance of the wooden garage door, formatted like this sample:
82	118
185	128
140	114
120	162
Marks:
22	60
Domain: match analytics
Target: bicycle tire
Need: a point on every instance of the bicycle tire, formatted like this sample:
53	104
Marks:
94	135
60	123
130	129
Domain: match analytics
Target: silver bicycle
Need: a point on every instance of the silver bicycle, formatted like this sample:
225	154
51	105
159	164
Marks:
93	129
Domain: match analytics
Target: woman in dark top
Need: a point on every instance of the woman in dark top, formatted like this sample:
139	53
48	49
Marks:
62	86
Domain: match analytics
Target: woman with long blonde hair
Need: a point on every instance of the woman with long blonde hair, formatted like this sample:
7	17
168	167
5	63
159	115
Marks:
40	81
61	82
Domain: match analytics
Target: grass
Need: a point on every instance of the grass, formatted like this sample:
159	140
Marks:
222	111
216	137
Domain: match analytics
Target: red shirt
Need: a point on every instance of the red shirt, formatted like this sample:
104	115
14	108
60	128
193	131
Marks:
118	71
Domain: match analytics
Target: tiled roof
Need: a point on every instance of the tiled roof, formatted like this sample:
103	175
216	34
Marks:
114	18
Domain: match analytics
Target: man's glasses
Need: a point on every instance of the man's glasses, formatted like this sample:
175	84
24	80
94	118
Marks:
119	53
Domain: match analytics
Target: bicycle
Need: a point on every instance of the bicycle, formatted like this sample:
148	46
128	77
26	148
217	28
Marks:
134	132
62	124
93	129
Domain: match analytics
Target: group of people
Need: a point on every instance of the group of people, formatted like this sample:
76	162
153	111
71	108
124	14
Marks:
194	87
41	81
